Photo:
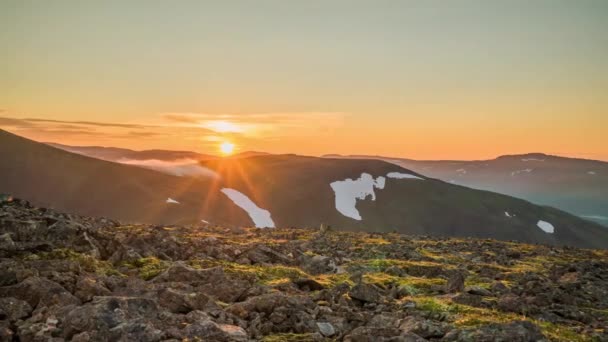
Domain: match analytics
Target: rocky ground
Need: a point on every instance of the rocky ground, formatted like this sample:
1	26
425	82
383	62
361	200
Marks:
65	277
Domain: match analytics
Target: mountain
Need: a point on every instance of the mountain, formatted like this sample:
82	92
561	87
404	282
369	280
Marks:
579	186
77	278
283	191
119	154
54	178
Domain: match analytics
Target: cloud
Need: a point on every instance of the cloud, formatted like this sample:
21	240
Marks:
180	167
89	123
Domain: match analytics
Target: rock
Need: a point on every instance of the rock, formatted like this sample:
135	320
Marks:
40	292
326	329
318	264
6	334
478	291
424	328
307	284
110	315
369	334
455	283
498	287
511	303
12	309
207	280
366	293
178	302
517	331
89	287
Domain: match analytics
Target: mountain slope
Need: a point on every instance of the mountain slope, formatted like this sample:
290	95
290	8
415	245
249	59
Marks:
296	191
55	178
282	191
579	186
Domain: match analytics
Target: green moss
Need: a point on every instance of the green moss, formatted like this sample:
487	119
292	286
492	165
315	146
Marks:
85	261
148	267
561	333
433	305
263	274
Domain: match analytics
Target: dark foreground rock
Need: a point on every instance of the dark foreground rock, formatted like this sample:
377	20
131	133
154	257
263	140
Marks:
70	278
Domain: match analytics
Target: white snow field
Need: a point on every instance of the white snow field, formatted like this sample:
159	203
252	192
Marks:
172	201
260	217
400	175
545	226
348	191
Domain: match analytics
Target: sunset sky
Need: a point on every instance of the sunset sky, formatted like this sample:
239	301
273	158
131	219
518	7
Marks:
418	79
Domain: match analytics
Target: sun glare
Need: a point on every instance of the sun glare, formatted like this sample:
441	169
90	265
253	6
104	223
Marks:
227	148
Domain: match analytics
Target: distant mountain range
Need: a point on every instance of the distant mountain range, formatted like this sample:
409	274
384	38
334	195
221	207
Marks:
579	186
282	191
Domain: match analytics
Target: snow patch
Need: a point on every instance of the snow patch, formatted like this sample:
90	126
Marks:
348	191
545	226
508	215
463	171
520	171
591	172
260	217
172	201
400	175
532	159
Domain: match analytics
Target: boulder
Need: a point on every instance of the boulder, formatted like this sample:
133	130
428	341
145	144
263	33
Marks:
12	309
366	293
424	328
455	283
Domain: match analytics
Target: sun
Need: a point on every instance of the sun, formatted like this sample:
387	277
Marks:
227	148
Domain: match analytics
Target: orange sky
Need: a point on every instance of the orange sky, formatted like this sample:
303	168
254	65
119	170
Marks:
416	79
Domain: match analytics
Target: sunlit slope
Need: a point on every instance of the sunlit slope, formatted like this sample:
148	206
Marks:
51	177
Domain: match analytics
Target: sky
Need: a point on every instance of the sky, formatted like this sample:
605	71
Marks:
417	79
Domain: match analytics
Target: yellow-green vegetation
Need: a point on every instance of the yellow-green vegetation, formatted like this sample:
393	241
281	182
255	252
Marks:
331	280
148	267
464	316
263	274
289	337
86	262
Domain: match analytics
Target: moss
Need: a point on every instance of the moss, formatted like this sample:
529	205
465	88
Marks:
289	337
561	333
331	280
263	274
85	261
433	305
148	267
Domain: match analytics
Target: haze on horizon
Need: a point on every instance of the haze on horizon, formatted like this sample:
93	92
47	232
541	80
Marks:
416	79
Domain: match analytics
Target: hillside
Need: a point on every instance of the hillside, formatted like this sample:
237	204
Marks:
69	277
579	186
282	191
295	191
54	178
